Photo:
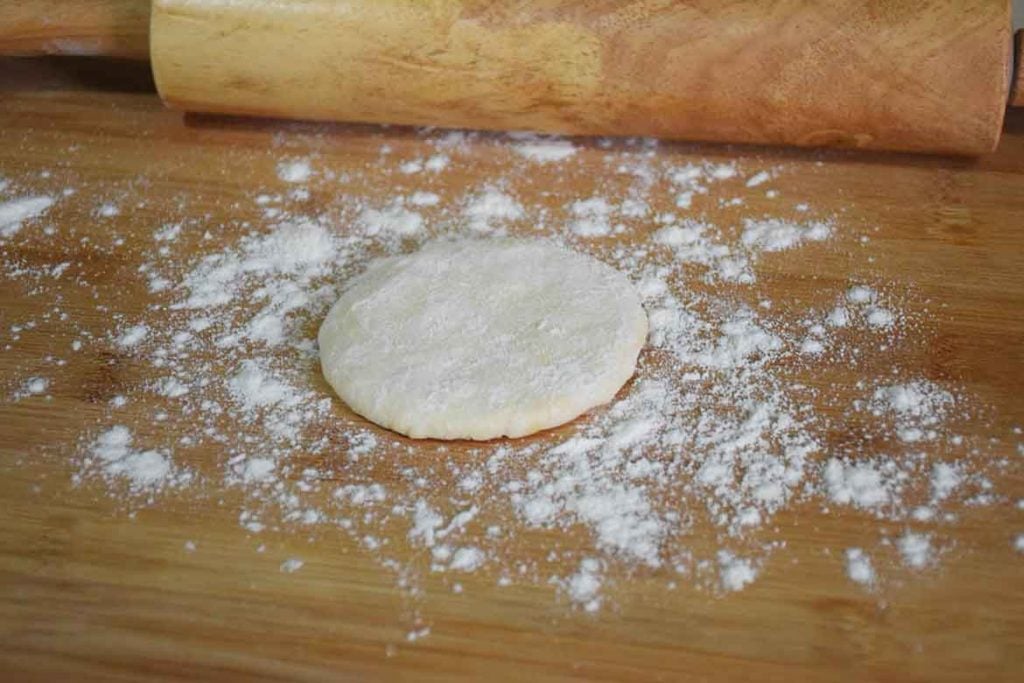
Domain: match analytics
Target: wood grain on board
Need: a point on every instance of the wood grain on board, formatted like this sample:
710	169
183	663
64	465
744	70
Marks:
89	592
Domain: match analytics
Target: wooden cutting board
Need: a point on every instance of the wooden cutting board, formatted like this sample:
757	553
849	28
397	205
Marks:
90	592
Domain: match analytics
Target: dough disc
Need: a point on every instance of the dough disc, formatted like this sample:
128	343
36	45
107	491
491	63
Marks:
483	338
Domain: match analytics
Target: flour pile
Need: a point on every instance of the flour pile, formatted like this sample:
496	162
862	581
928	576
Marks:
684	478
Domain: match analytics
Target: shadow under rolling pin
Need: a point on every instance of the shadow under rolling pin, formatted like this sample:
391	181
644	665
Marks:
888	74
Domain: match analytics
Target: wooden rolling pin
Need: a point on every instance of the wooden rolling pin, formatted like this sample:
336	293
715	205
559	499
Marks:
913	75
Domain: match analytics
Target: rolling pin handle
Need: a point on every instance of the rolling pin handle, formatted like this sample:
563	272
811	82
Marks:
1017	73
108	28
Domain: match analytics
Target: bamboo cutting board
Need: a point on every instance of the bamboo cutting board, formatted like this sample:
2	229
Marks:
89	592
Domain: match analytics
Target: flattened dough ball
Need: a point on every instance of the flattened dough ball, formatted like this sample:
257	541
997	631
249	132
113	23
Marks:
482	338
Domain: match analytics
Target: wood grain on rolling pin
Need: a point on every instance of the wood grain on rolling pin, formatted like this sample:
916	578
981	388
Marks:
906	75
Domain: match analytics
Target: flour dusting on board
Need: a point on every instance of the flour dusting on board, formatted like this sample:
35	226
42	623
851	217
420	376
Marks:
693	475
15	212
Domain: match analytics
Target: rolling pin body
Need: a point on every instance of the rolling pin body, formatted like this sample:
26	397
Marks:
905	75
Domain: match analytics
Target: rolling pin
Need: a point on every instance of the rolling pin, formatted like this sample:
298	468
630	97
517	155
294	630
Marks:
909	75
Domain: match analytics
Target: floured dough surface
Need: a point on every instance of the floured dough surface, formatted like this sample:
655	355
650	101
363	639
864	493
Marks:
480	339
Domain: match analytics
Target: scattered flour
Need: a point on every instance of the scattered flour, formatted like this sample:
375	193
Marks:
838	317
257	469
466	559
33	387
421	198
132	336
859	567
879	317
591	217
254	388
437	163
16	211
916	408
491	208
861	294
774	234
291	565
861	485
946	479
112	455
736	572
393	219
296	171
916	549
723	171
108	210
759	178
543	149
584	587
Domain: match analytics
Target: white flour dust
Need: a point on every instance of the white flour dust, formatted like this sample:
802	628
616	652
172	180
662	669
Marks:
684	476
541	148
15	212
